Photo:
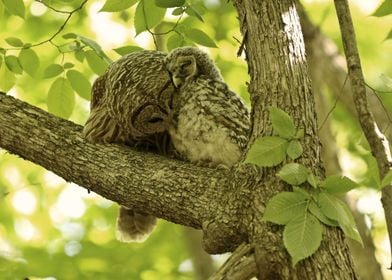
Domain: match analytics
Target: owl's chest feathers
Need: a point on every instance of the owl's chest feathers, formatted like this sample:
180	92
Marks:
199	133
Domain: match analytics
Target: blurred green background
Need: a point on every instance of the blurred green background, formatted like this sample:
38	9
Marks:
51	228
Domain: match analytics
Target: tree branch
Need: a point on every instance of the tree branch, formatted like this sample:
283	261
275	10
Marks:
377	141
170	189
323	51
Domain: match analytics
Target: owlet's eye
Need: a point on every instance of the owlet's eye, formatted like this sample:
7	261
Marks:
186	63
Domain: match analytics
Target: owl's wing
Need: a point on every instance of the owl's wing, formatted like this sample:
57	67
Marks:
228	109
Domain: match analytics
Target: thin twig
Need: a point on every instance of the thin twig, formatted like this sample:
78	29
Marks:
49	40
53	9
153	34
334	105
383	106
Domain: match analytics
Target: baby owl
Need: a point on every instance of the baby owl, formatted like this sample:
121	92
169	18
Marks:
211	123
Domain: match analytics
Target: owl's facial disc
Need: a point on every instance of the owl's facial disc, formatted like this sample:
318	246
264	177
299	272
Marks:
185	69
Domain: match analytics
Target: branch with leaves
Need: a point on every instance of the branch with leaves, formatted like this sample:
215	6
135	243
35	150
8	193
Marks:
377	141
313	201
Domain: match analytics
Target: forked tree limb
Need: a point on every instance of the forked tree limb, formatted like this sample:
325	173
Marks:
378	143
174	190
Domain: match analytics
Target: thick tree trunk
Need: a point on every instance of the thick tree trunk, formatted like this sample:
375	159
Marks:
275	54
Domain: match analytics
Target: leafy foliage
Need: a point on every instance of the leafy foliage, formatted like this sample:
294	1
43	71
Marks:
15	7
272	150
47	253
282	123
147	15
301	211
29	61
384	9
200	38
268	151
117	5
61	99
302	237
294	174
284	207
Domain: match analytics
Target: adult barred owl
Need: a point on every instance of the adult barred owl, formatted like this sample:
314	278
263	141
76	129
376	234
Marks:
211	123
129	106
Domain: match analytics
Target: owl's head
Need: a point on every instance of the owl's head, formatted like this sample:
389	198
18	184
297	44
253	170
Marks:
187	63
182	69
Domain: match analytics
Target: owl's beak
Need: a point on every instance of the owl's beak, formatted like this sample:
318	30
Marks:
177	81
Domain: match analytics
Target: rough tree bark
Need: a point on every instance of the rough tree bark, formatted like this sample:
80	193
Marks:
228	206
275	54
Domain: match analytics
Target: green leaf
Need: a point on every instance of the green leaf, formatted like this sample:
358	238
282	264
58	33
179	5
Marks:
61	98
169	3
387	180
13	64
29	61
1	61
117	5
294	173
267	151
70	36
282	123
284	207
175	41
178	11
337	184
316	211
96	48
15	7
79	55
95	62
192	11
384	9
68	65
336	210
127	49
199	37
302	237
389	36
7	79
53	70
13	41
301	191
313	180
147	15
294	149
80	84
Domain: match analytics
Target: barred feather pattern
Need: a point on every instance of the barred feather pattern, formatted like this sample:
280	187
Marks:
129	106
212	122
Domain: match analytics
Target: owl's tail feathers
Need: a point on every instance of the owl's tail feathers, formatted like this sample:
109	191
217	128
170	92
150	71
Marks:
132	226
